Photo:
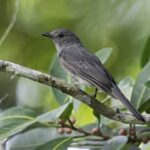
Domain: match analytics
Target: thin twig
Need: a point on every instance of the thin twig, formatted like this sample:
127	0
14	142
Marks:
71	126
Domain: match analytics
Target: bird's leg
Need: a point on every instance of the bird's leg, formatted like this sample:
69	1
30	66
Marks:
95	94
132	133
118	110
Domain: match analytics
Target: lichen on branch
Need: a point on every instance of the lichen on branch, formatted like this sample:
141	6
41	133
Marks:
74	91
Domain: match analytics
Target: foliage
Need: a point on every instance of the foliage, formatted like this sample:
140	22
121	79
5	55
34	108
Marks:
43	117
141	92
21	126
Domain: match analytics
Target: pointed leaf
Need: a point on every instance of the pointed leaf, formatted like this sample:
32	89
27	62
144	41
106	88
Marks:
126	86
145	107
18	111
141	93
15	120
147	84
104	54
146	53
81	114
57	71
116	143
62	112
58	144
38	138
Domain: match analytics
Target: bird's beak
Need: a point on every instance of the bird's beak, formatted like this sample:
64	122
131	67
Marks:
47	34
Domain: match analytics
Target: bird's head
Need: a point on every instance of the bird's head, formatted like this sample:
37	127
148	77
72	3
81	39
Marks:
62	38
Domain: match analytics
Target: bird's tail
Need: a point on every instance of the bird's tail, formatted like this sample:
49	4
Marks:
119	95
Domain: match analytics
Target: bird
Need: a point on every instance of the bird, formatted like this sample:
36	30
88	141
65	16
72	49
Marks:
83	64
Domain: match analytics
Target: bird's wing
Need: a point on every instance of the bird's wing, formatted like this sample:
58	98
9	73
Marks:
88	67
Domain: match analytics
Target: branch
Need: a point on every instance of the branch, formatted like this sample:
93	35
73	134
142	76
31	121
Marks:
14	17
74	91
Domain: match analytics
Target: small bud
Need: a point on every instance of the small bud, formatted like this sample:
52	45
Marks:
145	140
60	130
68	130
73	120
122	131
95	131
61	121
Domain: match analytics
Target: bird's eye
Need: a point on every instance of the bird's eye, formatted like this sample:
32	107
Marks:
60	34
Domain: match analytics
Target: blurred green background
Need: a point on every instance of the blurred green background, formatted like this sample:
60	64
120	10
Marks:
121	25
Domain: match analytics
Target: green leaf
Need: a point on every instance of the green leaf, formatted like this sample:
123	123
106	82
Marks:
126	82
104	54
88	143
147	84
116	143
15	120
57	71
145	107
126	86
62	112
130	146
146	53
81	114
58	144
141	93
17	111
34	95
39	138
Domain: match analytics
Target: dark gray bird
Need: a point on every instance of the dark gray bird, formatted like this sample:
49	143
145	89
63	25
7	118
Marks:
83	64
